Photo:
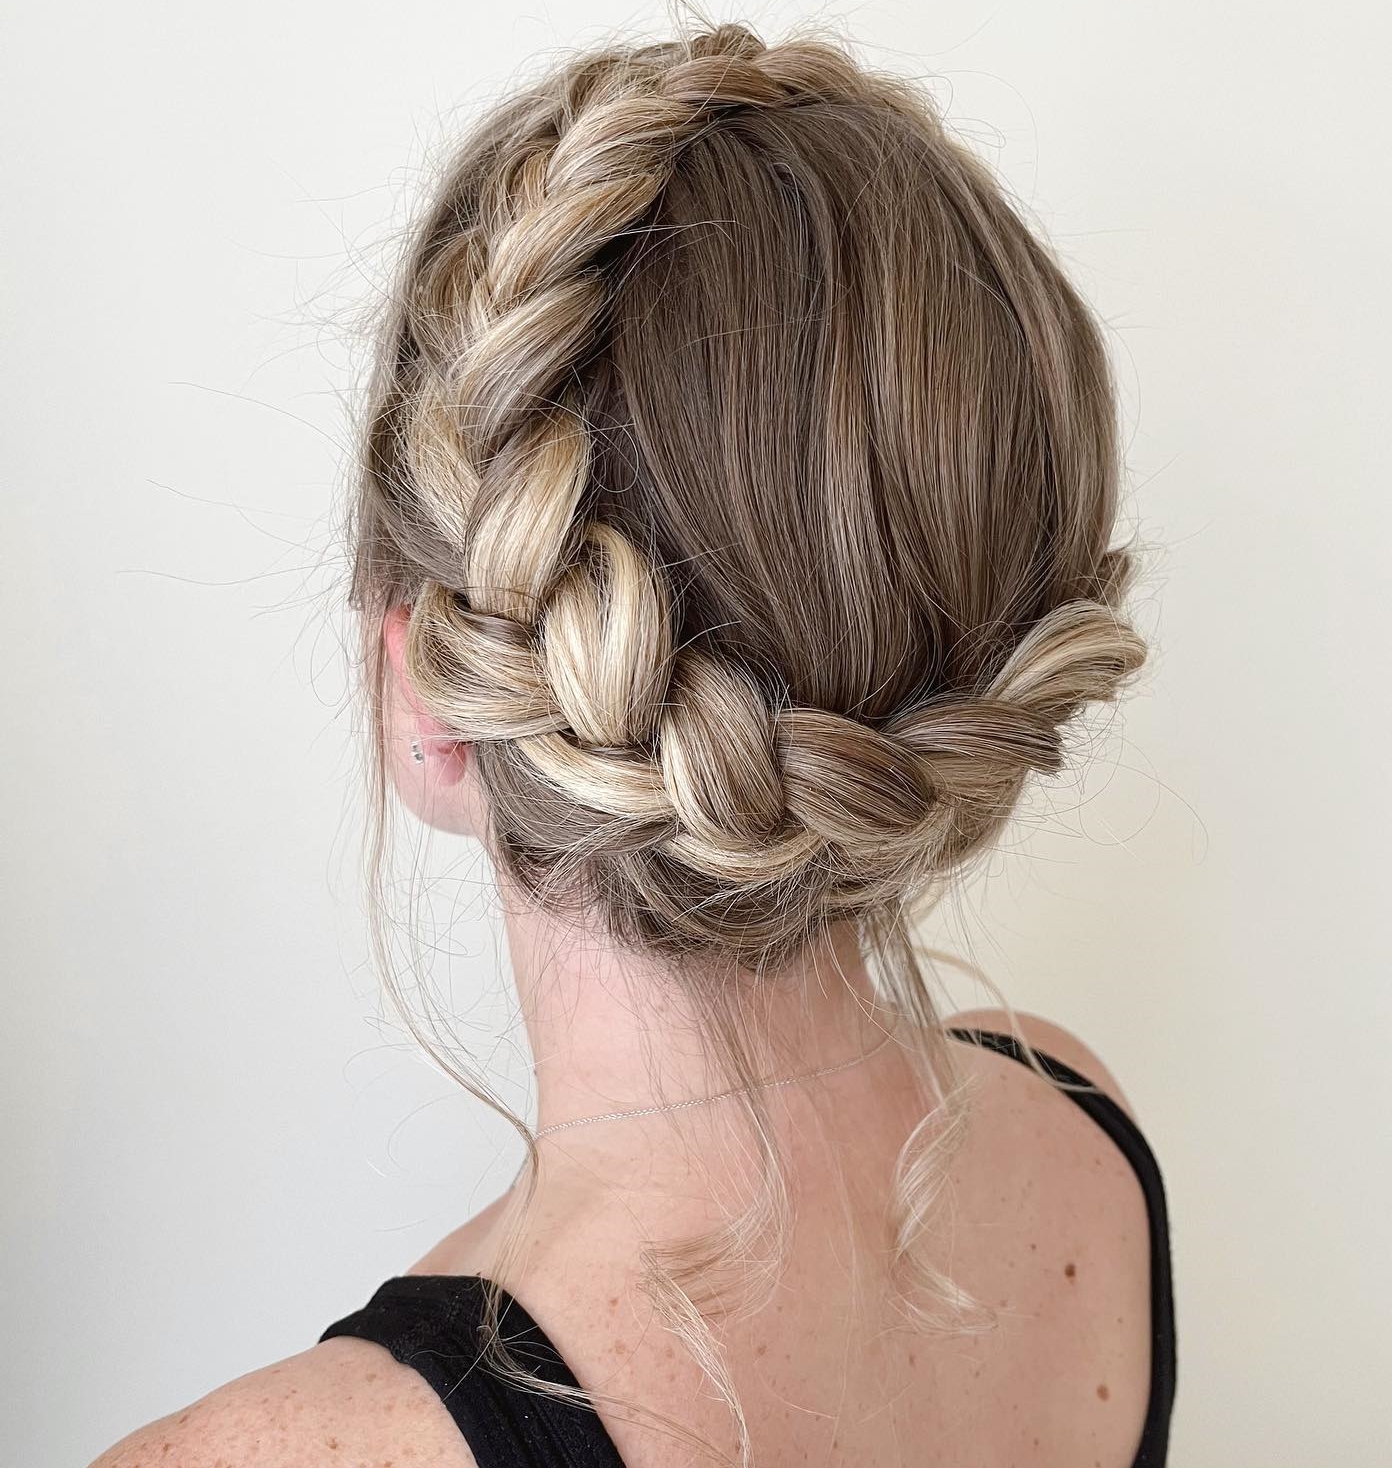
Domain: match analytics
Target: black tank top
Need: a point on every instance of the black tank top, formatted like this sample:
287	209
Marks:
431	1323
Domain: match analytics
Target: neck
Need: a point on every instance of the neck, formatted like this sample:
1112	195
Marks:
614	1031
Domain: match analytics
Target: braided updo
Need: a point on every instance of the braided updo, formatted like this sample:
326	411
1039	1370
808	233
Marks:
750	470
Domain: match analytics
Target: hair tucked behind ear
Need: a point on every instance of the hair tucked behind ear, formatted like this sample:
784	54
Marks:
750	469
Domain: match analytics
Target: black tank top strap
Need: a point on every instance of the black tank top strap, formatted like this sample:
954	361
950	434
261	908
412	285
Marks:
432	1323
1132	1143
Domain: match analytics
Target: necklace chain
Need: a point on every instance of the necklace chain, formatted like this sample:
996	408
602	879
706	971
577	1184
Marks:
826	1070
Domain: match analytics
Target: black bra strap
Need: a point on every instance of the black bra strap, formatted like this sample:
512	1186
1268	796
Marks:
431	1323
1134	1147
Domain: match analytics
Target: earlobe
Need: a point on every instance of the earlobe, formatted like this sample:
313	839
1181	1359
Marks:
448	761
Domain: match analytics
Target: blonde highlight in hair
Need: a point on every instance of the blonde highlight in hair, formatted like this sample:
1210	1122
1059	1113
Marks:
750	469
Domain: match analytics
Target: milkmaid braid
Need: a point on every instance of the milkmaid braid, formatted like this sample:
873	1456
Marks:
631	755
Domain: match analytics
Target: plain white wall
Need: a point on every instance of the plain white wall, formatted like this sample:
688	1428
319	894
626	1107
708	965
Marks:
213	1145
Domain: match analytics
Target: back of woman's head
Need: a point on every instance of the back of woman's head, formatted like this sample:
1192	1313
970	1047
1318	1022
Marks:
750	469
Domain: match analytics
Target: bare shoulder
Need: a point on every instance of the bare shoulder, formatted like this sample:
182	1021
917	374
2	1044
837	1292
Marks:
1052	1040
343	1401
461	1251
343	1396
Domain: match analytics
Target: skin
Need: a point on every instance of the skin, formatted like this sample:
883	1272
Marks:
1046	1223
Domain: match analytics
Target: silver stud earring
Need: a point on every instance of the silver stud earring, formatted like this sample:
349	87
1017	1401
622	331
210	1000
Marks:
417	752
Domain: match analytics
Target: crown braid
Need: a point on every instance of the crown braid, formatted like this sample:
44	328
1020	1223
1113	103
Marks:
712	812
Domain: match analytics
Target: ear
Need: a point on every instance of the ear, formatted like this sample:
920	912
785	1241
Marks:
446	760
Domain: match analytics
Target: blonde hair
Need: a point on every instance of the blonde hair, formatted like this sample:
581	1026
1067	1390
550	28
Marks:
749	467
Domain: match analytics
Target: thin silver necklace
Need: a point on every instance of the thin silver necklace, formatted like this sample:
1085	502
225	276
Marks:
826	1070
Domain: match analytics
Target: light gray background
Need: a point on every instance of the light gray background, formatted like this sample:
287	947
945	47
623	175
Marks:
213	1144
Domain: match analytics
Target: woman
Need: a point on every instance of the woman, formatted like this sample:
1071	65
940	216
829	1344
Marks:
732	545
